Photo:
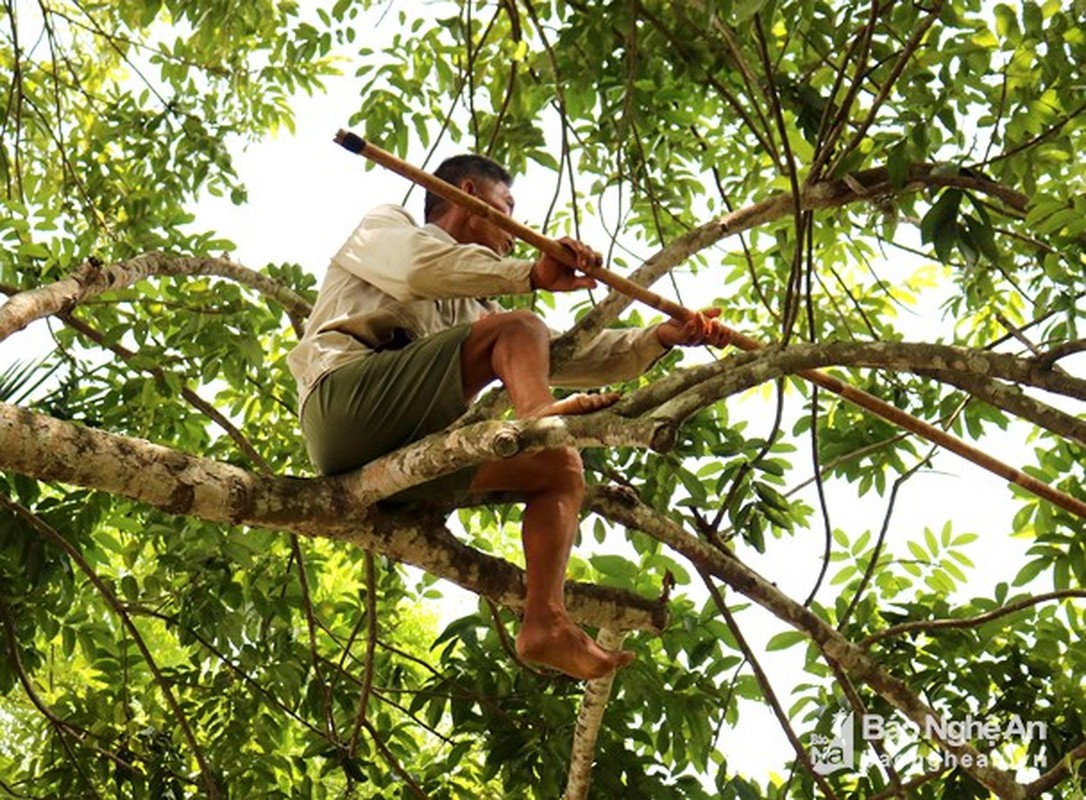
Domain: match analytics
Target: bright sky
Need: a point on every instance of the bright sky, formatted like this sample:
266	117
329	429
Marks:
305	196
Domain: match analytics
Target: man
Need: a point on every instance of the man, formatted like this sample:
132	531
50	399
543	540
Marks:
399	343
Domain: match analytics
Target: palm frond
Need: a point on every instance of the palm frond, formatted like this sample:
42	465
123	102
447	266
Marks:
20	379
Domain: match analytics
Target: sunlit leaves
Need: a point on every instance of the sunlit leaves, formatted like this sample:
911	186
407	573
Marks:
650	114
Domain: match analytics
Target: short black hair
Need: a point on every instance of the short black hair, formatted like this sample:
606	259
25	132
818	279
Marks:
460	168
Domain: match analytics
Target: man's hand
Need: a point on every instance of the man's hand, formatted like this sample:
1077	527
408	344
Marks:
551	274
702	328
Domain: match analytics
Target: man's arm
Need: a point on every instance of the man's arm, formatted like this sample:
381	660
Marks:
621	355
391	252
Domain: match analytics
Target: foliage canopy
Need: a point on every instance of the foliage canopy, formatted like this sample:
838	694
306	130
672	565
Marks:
822	170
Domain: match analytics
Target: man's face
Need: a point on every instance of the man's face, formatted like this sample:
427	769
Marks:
498	195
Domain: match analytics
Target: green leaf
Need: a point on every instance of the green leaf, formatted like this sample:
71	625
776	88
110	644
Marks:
897	165
1030	571
785	639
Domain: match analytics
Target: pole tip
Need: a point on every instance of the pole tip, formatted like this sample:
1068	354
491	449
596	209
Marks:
349	141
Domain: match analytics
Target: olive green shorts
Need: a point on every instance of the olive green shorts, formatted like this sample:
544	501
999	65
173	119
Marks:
385	400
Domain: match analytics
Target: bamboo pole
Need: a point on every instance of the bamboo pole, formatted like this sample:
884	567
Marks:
544	244
555	249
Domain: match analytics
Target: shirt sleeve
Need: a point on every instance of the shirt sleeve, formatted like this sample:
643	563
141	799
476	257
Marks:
614	356
408	262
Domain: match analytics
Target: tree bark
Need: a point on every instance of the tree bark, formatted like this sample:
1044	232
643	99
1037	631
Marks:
51	450
93	279
589	719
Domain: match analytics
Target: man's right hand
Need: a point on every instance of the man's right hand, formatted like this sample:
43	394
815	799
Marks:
556	276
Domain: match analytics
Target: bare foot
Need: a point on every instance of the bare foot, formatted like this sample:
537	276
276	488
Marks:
574	404
563	646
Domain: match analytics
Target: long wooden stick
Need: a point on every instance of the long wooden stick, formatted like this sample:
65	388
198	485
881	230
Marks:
553	248
859	397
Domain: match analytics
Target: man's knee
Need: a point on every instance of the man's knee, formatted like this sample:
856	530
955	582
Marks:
564	469
521	325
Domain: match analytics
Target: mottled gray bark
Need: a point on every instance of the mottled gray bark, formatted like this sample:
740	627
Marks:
860	186
93	279
589	718
51	450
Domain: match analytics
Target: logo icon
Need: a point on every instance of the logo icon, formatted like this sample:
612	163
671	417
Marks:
829	755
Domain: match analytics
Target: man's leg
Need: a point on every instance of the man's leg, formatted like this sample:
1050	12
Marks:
553	484
515	348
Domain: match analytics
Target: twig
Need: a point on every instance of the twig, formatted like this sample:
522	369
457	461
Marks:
507	645
861	43
926	626
765	138
858	707
767	688
1014	331
393	762
820	489
224	659
371	653
876	553
59	725
801	219
854	660
906	55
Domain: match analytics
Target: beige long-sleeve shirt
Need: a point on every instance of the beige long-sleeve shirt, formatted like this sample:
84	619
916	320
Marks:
393	275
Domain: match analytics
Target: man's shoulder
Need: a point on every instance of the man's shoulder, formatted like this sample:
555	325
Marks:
389	214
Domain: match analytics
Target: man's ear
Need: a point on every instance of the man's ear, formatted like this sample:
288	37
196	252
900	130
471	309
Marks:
469	186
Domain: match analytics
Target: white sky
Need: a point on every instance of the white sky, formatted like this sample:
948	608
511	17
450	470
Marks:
306	194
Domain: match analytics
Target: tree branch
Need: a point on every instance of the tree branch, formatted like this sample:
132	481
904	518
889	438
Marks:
1050	357
48	449
861	186
624	508
969	622
62	727
589	719
93	279
1058	773
1012	399
371	654
766	687
206	773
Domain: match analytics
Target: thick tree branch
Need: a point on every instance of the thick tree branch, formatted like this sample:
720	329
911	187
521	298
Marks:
860	186
589	719
340	507
93	279
1050	357
684	392
1013	400
51	450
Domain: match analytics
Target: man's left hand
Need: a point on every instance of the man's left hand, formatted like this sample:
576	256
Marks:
702	328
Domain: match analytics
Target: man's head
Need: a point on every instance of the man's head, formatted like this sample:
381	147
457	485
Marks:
484	178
